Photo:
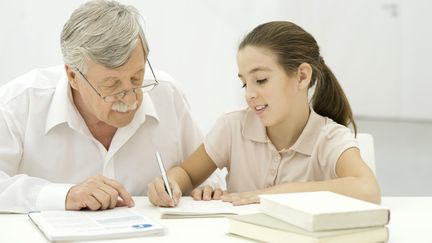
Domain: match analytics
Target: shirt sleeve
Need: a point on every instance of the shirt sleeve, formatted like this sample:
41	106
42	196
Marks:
217	143
22	193
189	133
334	141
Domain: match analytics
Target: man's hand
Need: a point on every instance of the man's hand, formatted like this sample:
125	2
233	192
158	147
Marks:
206	193
98	192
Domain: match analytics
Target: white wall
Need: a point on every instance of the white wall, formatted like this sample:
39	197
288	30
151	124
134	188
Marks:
379	49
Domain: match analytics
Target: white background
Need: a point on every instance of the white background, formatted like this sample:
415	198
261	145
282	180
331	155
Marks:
379	49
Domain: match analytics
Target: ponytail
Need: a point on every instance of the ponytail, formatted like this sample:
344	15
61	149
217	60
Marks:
329	98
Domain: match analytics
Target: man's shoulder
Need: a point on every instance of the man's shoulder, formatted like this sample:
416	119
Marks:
162	76
168	87
40	79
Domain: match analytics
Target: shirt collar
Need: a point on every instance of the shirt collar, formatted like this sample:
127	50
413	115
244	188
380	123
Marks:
63	110
254	130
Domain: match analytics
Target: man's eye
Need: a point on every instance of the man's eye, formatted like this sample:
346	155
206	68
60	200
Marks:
136	81
111	86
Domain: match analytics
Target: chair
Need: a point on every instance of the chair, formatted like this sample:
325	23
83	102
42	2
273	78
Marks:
367	150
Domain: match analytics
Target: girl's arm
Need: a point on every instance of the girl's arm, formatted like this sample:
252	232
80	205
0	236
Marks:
355	179
193	171
183	178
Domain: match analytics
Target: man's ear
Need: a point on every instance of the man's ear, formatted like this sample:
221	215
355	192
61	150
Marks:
72	76
304	75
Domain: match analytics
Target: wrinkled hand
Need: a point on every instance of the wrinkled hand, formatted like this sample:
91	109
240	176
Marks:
206	193
98	192
242	198
158	196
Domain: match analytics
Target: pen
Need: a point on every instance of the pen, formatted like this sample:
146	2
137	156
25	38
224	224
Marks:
164	176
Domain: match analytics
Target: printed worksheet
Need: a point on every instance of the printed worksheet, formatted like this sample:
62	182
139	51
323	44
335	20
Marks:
85	225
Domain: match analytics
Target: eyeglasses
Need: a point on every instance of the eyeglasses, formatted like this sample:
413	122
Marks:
120	95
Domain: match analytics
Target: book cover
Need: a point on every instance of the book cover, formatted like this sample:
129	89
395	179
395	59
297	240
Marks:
119	222
262	227
322	210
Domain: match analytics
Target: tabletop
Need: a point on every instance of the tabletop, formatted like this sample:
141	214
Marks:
410	221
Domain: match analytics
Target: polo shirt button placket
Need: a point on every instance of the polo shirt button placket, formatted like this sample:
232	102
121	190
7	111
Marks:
276	158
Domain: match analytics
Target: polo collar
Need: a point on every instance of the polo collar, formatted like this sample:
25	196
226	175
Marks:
254	130
305	144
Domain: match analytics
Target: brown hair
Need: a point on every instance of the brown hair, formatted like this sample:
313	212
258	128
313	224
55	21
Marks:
293	46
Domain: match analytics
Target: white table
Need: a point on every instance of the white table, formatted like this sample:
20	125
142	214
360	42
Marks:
411	221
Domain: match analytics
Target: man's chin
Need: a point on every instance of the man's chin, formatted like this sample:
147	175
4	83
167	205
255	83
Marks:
122	119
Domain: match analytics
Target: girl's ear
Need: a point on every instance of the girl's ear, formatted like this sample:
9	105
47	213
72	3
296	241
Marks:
72	76
304	75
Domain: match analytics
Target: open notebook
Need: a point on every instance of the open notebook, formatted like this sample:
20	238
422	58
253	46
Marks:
189	208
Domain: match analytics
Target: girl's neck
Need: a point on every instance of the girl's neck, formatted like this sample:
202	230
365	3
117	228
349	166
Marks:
284	134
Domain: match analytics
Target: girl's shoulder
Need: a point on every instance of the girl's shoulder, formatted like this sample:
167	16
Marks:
235	115
232	119
333	129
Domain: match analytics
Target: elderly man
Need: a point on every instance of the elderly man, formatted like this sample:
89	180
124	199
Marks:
84	135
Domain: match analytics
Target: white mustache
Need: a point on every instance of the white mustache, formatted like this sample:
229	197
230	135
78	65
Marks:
123	107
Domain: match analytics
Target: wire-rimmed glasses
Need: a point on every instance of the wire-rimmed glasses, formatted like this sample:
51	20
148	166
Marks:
120	95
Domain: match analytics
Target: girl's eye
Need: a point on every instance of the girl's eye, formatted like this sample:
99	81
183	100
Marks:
261	81
244	86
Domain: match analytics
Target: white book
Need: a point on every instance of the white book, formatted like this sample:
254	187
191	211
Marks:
265	228
120	222
189	208
322	210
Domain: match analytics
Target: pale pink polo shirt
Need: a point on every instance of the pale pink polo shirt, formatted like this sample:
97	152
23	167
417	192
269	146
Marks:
239	142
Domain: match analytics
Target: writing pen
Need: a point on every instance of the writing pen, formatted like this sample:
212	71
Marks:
164	176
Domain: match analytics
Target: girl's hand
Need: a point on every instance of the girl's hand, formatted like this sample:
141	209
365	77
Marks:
158	196
206	193
242	198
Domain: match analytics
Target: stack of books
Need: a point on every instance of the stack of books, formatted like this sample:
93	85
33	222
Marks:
313	217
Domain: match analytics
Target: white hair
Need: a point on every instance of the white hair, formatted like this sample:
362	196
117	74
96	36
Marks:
104	31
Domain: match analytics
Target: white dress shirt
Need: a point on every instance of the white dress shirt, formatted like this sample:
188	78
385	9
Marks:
46	147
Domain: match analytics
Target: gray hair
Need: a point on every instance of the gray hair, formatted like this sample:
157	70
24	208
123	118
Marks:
104	31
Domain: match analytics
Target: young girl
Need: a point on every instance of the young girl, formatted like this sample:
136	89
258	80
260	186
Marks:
281	142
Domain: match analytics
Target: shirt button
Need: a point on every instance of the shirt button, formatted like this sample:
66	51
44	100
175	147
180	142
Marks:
276	160
268	185
273	172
